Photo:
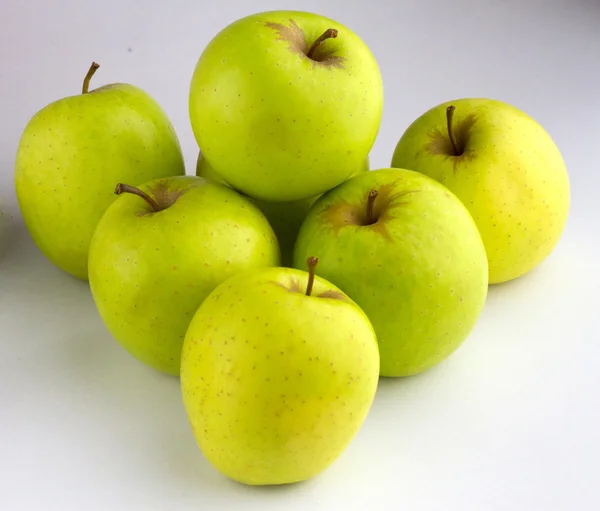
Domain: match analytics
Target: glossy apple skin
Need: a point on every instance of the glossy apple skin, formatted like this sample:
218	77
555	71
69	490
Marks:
149	272
285	217
420	272
275	383
73	153
511	177
275	124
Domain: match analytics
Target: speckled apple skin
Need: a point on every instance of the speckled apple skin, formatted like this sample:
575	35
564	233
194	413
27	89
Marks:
420	273
275	124
73	153
511	177
285	217
275	383
149	272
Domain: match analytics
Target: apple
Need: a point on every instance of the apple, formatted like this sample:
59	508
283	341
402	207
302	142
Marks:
285	104
504	167
279	369
73	152
160	249
285	217
407	251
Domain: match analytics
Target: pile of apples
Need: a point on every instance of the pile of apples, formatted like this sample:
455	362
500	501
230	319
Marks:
285	277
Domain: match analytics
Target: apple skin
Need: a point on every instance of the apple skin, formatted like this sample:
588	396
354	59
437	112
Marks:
285	217
511	177
149	272
275	383
71	155
419	272
275	124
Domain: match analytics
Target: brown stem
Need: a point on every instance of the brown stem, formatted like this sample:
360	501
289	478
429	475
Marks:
370	205
312	263
121	188
330	33
88	77
449	117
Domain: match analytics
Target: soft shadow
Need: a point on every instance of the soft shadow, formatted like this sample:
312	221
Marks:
129	416
145	410
8	232
545	279
26	271
401	381
275	489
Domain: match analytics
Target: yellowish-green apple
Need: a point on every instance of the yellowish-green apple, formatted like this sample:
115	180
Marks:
407	251
285	217
286	104
505	168
160	249
279	370
73	152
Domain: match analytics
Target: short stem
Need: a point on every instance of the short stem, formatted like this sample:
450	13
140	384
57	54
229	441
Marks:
121	188
370	205
449	117
330	33
312	263
88	77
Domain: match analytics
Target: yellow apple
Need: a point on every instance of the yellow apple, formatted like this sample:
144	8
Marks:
279	369
505	168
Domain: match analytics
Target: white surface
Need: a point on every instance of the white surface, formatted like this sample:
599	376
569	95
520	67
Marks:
510	422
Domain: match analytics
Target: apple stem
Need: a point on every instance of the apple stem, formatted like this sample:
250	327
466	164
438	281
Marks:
449	117
121	188
370	205
88	77
312	263
330	33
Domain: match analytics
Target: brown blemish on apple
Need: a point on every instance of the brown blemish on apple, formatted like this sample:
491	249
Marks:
343	214
158	198
294	36
164	196
336	295
294	286
439	141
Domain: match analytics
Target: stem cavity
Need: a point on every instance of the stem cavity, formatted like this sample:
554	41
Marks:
88	77
449	117
121	188
370	205
311	263
330	33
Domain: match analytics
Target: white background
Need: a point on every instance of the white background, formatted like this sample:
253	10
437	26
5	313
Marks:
510	422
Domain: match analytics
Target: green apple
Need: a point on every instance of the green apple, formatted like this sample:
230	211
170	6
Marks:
285	217
504	167
73	152
279	369
407	251
159	250
285	104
